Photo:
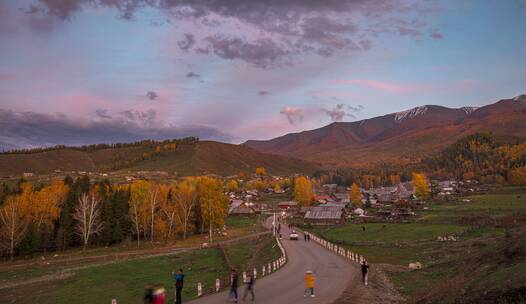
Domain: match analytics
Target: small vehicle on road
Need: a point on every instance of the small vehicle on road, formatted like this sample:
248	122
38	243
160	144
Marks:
293	235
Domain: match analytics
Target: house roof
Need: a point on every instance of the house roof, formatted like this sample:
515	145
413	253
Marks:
324	213
243	209
289	203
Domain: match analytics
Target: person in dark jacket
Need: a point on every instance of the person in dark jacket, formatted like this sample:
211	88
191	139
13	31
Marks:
365	271
249	287
148	294
179	283
233	285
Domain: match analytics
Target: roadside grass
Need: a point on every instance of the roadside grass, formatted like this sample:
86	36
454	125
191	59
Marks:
246	256
124	281
241	222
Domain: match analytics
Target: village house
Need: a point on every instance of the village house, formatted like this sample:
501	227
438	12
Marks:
324	216
241	208
288	205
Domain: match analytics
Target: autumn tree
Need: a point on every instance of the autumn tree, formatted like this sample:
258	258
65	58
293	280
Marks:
355	195
45	208
260	171
232	186
156	195
277	187
421	185
366	182
517	176
213	202
139	193
87	215
185	198
14	221
303	192
394	179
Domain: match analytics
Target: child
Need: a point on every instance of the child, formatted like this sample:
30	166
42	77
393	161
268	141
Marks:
159	295
309	283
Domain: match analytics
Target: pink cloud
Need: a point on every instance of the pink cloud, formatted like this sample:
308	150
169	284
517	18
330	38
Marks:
324	93
379	85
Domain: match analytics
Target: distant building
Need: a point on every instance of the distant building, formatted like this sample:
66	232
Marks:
241	208
288	205
324	216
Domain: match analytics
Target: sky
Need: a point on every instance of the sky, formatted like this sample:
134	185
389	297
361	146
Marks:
88	71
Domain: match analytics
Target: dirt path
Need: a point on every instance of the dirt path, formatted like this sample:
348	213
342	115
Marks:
379	290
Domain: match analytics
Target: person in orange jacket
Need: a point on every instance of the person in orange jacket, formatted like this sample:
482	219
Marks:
309	283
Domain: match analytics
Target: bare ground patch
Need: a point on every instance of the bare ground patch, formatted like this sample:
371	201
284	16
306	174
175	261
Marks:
379	290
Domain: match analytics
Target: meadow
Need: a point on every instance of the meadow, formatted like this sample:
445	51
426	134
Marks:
489	253
125	280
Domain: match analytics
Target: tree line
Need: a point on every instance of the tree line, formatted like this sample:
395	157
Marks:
95	147
78	213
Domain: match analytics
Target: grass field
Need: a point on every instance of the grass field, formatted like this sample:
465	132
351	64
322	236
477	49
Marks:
125	280
487	257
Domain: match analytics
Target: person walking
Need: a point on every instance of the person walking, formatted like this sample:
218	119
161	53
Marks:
309	284
249	288
365	272
305	237
148	294
179	283
159	295
233	285
308	237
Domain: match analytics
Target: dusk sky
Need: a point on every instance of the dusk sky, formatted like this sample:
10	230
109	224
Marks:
86	71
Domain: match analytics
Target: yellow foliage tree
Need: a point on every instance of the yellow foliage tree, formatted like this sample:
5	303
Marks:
232	186
139	193
47	202
260	171
14	220
303	192
277	188
355	195
421	185
185	197
213	202
517	176
394	179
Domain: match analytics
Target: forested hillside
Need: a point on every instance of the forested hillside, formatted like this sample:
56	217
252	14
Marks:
484	157
187	156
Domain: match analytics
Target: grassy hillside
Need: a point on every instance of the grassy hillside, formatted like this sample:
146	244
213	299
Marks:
187	159
223	159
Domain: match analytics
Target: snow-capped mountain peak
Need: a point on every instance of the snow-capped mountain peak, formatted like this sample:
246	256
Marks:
519	98
469	110
412	113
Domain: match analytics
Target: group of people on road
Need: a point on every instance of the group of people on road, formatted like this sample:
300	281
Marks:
310	279
156	294
249	286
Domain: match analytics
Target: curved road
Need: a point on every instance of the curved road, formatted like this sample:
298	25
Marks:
287	285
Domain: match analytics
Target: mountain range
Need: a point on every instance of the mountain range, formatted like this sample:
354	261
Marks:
398	138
